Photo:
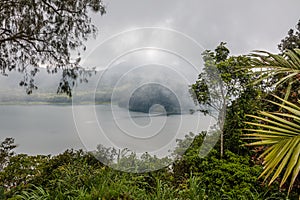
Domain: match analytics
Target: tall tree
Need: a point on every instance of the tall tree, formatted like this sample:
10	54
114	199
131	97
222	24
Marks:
221	82
45	32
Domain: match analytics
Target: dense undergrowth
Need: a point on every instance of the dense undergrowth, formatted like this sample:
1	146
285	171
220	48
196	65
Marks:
78	175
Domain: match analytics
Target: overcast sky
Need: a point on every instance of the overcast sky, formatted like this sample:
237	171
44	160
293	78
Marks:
244	25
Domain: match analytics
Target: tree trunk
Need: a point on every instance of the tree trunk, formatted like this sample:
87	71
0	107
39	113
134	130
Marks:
221	145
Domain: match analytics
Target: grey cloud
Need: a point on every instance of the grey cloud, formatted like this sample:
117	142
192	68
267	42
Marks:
244	25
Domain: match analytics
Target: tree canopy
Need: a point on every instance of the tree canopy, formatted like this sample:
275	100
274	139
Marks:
36	33
222	85
292	40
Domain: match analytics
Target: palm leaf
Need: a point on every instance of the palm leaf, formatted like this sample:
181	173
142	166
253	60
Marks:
281	133
267	65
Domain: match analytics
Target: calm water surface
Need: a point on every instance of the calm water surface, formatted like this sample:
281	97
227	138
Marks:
50	129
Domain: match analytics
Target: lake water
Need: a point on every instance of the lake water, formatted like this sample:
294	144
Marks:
51	129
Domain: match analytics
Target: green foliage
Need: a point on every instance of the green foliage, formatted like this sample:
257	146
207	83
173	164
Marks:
280	69
249	102
224	89
280	132
128	161
222	75
218	174
21	169
45	32
233	177
37	193
78	175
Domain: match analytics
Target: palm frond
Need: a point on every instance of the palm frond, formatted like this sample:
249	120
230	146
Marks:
267	65
281	133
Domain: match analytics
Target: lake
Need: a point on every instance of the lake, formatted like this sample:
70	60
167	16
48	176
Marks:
51	129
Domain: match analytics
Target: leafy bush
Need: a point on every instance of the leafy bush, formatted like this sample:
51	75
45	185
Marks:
78	175
234	176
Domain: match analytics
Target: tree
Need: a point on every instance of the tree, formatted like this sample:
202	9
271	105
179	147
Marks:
291	41
221	82
209	89
36	33
279	131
